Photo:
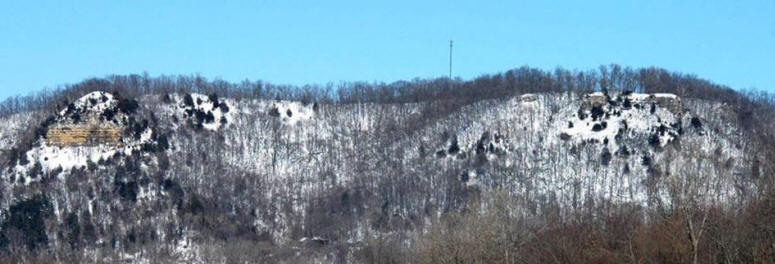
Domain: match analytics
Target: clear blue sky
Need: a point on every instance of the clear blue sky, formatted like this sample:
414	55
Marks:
48	43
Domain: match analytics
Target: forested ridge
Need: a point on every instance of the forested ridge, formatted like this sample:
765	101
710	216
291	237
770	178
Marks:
514	167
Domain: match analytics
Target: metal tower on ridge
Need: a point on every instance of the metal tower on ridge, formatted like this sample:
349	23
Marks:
450	59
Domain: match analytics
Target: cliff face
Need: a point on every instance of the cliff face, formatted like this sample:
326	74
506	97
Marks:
89	134
93	120
671	102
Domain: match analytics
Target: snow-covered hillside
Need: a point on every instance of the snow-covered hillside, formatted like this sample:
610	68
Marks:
192	165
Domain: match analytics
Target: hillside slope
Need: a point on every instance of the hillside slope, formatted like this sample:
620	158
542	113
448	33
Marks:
192	168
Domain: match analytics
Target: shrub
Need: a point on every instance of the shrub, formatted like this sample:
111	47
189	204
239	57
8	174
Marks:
162	142
127	190
696	123
453	148
214	99
605	157
274	112
209	117
596	112
188	100
166	98
662	129
24	223
581	114
108	114
654	140
224	107
127	106
73	230
645	160
599	127
195	205
623	151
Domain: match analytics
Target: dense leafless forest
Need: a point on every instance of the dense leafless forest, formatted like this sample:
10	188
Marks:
490	170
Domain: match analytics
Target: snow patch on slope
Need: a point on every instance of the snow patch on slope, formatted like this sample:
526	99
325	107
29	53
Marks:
202	111
626	116
291	112
8	132
95	102
53	157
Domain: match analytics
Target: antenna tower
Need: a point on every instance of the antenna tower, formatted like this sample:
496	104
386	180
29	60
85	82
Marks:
450	59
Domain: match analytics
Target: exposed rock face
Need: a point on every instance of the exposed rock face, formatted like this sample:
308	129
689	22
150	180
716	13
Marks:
594	100
670	102
92	120
87	135
528	97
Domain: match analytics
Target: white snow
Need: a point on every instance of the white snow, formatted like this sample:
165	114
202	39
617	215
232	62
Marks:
202	103
666	95
638	121
639	97
528	97
94	102
292	112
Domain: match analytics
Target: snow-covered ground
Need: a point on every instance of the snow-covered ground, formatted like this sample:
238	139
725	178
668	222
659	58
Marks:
278	161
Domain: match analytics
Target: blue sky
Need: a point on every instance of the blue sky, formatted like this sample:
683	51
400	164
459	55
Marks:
49	43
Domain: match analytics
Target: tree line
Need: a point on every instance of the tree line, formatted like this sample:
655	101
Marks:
607	78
